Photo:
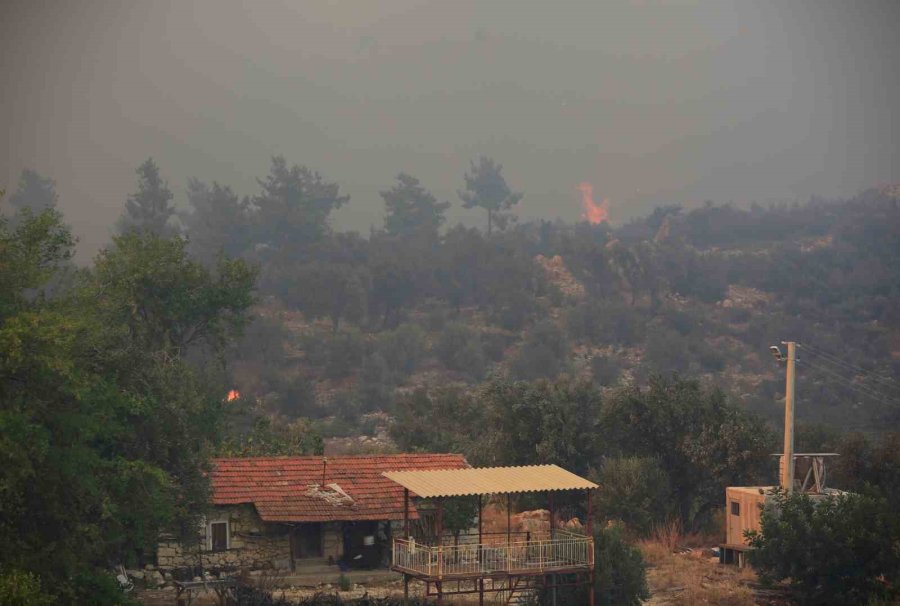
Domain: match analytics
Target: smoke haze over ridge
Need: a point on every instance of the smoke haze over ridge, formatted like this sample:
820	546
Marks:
650	102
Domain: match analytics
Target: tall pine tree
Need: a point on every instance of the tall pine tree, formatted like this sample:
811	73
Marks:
36	193
486	188
150	209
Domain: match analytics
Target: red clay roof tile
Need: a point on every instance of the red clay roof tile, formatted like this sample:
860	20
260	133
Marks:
277	486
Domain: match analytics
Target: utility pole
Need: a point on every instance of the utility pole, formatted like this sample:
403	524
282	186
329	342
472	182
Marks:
787	469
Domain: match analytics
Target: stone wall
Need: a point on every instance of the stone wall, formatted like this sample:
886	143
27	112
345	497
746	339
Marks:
332	540
253	544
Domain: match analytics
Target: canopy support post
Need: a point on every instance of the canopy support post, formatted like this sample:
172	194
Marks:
480	547
440	546
406	513
508	519
590	530
406	537
552	533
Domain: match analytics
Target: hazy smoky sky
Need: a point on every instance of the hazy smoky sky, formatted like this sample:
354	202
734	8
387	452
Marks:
651	102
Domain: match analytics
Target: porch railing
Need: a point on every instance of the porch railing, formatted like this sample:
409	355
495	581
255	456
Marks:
565	551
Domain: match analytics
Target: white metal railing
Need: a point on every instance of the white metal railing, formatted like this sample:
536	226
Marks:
565	551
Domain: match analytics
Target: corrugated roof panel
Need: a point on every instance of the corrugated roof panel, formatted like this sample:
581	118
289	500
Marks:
488	480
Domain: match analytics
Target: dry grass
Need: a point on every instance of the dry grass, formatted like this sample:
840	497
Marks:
668	533
682	579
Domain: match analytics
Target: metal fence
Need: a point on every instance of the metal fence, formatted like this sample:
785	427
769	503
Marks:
565	550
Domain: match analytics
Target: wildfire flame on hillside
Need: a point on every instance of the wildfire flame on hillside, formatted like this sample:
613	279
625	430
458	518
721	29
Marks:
594	213
233	395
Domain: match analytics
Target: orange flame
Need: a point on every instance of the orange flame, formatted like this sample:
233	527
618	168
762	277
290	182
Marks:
594	213
233	395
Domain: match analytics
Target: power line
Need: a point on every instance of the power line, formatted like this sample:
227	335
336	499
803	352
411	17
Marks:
847	382
833	359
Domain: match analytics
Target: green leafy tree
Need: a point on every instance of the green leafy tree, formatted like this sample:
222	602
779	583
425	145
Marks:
105	422
150	210
486	188
32	253
150	286
837	550
867	464
634	490
36	193
443	419
702	441
551	422
411	210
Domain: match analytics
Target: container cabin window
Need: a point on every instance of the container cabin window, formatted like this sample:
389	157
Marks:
218	536
735	508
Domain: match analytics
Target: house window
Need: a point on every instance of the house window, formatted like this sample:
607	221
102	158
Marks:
735	508
218	536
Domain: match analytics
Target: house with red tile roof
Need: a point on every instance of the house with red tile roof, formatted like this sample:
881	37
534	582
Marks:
289	512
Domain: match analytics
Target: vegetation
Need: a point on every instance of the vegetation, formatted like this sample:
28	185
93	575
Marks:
621	581
110	400
840	550
636	355
668	449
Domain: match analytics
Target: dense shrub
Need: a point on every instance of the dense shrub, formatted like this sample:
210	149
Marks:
297	398
459	348
840	550
666	352
605	370
19	588
94	588
620	576
376	385
636	490
344	351
495	344
543	354
402	349
605	321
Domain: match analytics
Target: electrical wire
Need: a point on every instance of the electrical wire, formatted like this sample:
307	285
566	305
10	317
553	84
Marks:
848	383
833	359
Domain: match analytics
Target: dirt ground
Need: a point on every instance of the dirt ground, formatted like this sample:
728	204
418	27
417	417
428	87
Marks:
695	577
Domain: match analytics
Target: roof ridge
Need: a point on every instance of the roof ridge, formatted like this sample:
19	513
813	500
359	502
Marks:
338	457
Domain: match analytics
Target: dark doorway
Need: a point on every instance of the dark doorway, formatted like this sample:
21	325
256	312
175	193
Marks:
306	541
362	546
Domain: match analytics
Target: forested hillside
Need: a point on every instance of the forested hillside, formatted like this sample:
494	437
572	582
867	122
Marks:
246	325
346	322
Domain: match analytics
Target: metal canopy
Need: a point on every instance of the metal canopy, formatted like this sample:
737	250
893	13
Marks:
488	480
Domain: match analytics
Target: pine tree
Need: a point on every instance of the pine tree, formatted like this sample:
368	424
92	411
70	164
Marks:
487	189
150	209
35	192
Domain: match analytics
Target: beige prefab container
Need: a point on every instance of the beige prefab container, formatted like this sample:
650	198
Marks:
743	506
